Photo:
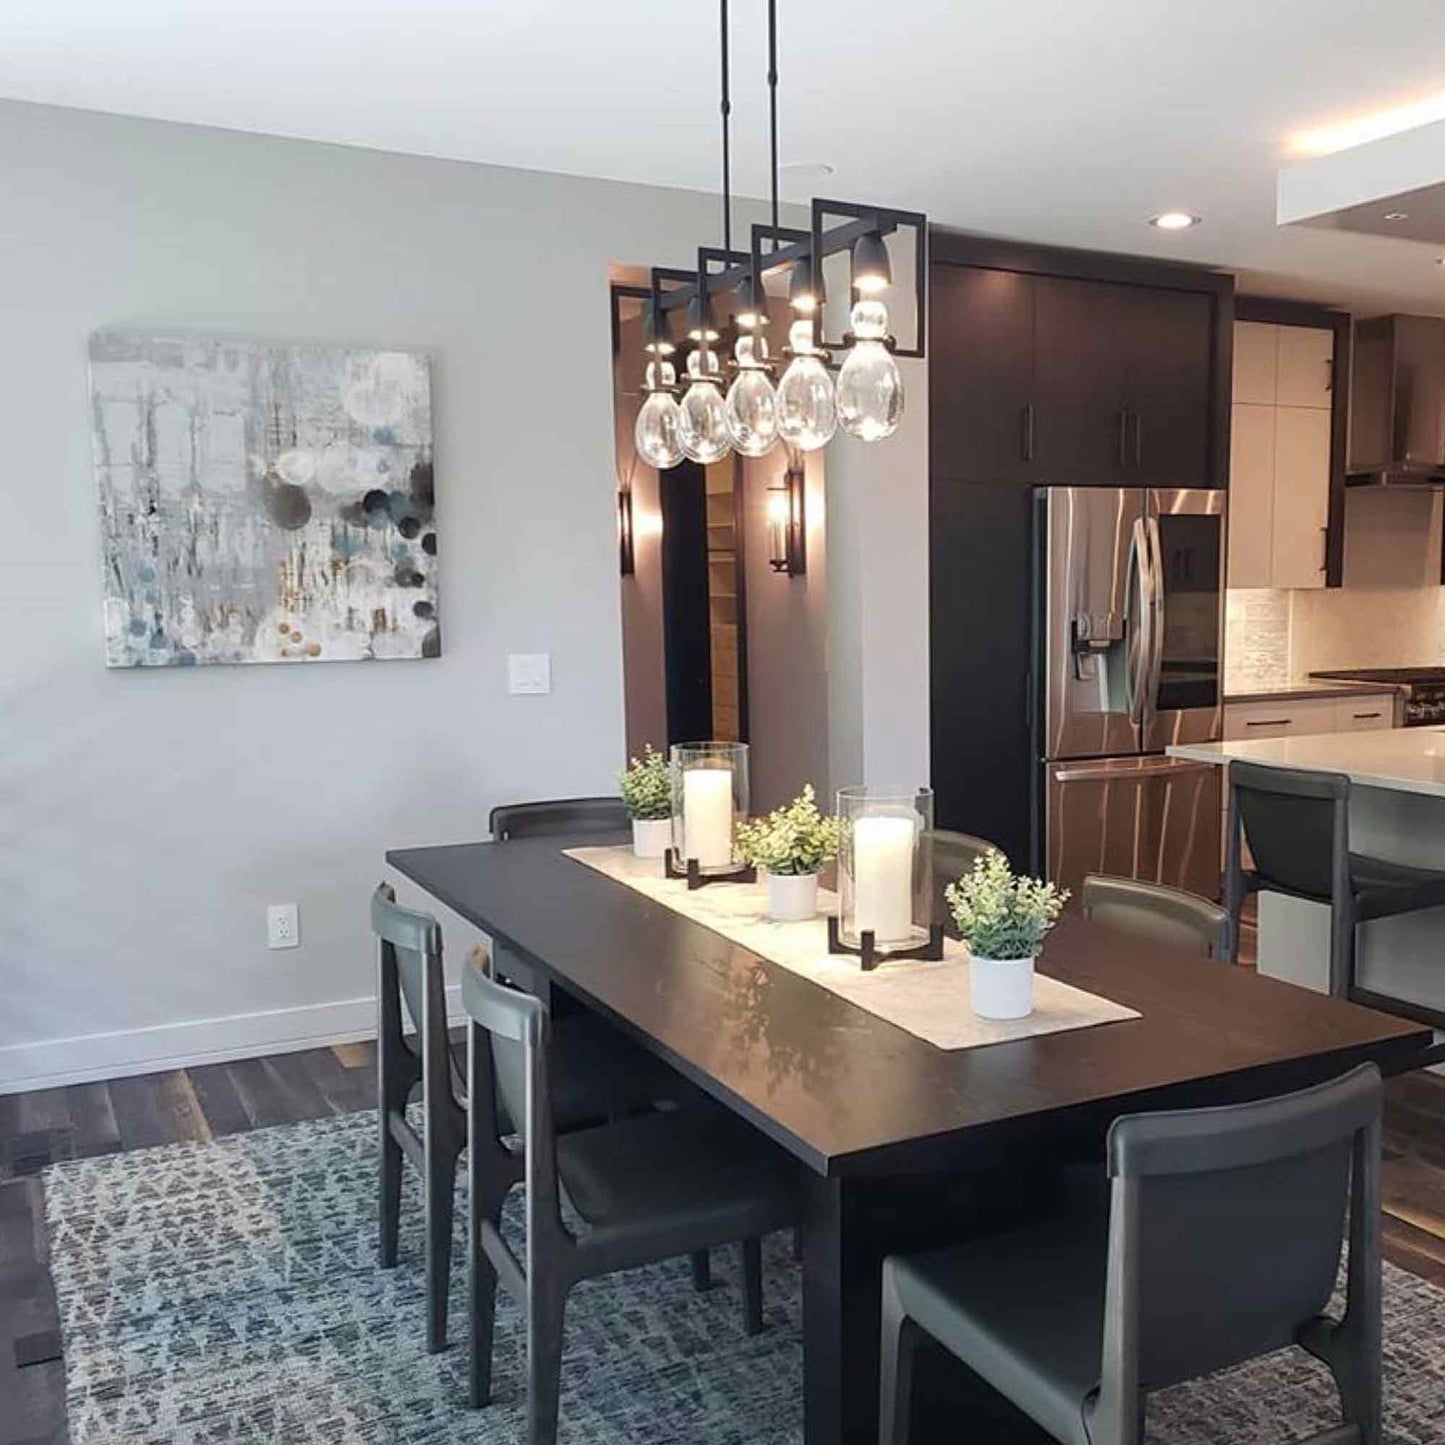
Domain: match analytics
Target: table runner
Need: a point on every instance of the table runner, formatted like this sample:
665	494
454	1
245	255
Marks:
929	1000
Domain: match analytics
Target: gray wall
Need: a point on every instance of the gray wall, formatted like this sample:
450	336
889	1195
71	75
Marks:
149	817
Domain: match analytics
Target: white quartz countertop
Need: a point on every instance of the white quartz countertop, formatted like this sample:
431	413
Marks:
1408	760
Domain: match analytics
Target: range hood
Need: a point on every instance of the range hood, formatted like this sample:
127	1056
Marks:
1397	403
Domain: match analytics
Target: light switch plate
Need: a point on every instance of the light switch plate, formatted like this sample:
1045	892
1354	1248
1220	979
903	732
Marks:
529	673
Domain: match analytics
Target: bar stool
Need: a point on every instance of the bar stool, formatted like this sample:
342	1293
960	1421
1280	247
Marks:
953	855
1297	825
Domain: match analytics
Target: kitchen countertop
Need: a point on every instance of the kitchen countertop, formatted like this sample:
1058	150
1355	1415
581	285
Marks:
1406	760
1289	691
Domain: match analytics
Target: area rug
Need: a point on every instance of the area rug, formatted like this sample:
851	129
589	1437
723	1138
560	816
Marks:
228	1291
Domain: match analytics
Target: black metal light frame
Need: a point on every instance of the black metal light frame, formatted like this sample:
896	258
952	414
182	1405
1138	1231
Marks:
792	559
626	553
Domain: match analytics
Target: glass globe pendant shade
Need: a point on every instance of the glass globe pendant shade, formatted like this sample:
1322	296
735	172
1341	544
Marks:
703	423
658	430
807	409
752	404
870	388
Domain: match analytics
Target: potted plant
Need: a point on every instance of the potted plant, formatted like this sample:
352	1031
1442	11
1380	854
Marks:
1003	919
791	845
647	791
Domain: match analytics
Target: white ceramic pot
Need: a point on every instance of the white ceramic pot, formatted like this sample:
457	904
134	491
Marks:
651	837
1001	988
792	897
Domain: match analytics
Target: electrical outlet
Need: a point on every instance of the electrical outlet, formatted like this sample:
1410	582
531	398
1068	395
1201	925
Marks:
283	926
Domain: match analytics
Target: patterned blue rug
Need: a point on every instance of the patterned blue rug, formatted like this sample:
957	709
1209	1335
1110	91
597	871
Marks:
228	1291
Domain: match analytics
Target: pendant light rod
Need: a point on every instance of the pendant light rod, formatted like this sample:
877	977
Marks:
773	99
727	107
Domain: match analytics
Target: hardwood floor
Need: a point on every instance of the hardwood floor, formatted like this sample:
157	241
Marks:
220	1099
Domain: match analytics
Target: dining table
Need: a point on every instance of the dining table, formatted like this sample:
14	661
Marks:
899	1144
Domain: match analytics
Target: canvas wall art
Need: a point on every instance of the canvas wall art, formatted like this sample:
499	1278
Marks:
263	503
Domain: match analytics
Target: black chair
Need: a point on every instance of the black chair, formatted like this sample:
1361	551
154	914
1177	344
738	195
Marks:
557	816
1157	912
595	1081
1220	1242
1297	825
649	1188
953	855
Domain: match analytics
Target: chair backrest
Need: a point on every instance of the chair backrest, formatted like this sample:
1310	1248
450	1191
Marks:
953	855
1158	913
558	815
1296	825
412	942
517	1027
1226	1224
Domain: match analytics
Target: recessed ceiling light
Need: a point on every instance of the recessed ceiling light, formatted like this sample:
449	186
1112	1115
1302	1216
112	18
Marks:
1174	220
806	170
1397	215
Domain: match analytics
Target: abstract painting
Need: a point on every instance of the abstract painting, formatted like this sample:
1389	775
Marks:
263	503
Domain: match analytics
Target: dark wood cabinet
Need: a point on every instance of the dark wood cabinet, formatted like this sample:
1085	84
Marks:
1069	380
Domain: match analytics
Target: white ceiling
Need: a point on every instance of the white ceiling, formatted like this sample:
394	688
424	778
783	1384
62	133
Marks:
1061	121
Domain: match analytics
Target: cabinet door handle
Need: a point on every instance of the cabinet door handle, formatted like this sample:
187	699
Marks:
1123	437
1026	417
1269	722
1364	716
1324	549
1138	439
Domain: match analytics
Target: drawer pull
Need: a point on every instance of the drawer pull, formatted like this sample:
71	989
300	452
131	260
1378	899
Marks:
1362	716
1270	722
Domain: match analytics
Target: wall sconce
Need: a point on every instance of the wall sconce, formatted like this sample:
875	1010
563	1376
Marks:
626	556
787	533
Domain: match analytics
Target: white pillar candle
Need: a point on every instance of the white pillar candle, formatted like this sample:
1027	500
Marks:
883	878
707	816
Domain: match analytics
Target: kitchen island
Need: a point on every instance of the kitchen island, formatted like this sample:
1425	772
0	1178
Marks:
1397	812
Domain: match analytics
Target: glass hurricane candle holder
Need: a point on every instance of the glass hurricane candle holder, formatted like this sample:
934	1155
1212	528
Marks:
885	876
709	796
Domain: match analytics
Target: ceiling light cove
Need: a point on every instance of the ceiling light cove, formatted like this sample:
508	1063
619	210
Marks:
1342	135
1173	221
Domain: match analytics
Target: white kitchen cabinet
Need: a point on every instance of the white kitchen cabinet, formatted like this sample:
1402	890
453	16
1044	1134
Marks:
1301	510
1279	478
1305	367
1296	716
1256	362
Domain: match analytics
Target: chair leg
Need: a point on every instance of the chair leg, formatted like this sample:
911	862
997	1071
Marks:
440	1197
482	1278
753	1285
391	1167
895	1376
1342	952
546	1312
701	1271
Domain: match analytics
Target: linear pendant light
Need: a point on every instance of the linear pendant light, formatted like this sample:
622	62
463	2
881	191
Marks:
741	408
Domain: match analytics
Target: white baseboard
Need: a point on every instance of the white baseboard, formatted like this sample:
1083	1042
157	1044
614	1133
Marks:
89	1057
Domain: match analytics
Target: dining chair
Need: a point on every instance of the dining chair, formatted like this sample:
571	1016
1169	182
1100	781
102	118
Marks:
953	855
595	1081
648	1188
558	815
1297	826
1157	912
1220	1242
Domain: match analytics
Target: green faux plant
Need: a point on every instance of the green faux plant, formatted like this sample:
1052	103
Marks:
793	840
646	784
1000	915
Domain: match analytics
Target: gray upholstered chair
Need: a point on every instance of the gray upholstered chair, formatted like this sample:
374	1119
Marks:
1297	825
649	1188
1157	912
953	855
596	1078
1220	1242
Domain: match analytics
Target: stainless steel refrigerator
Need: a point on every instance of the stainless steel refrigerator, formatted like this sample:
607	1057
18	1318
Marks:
1128	642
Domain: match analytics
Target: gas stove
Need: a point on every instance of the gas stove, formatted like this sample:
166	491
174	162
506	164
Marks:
1423	689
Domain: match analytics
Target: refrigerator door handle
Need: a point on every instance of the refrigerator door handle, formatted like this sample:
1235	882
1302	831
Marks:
1155	664
1164	768
1141	638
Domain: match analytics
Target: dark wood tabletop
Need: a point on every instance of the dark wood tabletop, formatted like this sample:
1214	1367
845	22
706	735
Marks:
847	1092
